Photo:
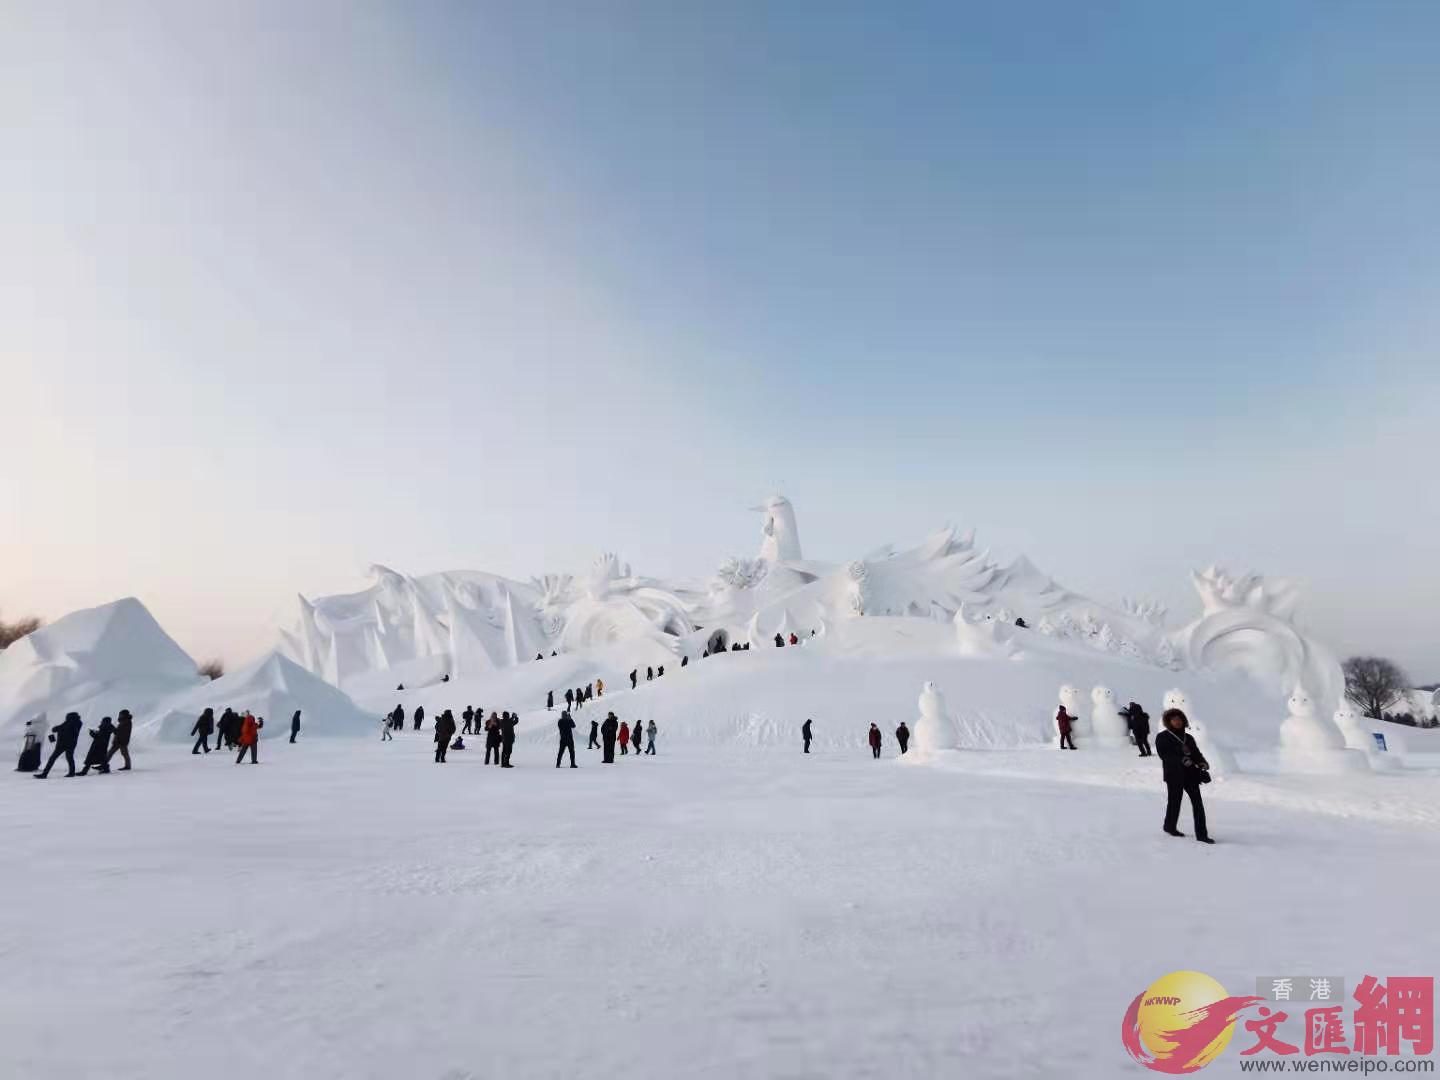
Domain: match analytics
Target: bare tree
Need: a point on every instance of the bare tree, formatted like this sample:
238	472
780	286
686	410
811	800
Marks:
1372	683
212	669
13	632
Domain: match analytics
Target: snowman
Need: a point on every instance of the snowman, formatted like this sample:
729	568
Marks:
1303	730
1220	759
1354	730
935	730
1106	724
1071	697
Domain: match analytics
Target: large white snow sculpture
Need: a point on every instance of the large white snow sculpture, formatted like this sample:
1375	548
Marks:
935	729
983	634
779	536
273	688
1107	726
95	661
1310	744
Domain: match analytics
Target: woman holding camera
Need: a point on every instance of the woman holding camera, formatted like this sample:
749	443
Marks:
1185	770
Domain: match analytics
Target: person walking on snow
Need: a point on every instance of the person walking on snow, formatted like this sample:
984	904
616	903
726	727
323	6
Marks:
779	642
202	730
550	701
387	728
608	731
419	716
469	717
1185	769
294	725
507	738
634	676
590	691
569	699
650	732
123	723
624	739
794	640
579	698
567	739
599	687
1064	721
874	741
249	738
649	674
65	737
99	752
594	735
902	736
805	734
444	729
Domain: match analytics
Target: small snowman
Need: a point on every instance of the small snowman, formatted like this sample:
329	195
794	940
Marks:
1071	697
1302	729
935	730
1220	759
1106	723
1356	734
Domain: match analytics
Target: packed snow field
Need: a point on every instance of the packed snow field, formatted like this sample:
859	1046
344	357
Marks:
348	908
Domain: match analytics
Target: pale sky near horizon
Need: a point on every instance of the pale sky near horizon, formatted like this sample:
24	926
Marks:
288	289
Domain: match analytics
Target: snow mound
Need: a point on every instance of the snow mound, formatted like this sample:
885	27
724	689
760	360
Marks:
95	661
273	688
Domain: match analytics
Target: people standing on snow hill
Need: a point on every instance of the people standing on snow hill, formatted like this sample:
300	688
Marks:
249	738
444	730
650	731
1138	720
65	737
594	735
649	673
567	739
634	676
779	642
397	718
223	730
902	736
1064	721
121	745
608	730
387	728
794	640
1185	769
874	741
624	738
805	734
569	699
660	671
295	725
468	716
492	739
549	700
419	716
684	661
507	738
599	687
202	730
99	752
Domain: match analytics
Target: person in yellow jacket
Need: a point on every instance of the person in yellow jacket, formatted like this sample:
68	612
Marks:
599	687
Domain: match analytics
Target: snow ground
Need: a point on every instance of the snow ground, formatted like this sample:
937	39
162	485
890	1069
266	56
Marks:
349	909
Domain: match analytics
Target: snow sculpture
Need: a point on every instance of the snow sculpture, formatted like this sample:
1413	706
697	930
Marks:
935	730
780	536
1072	698
1107	726
1355	732
982	636
857	572
1309	744
1248	623
1215	752
738	574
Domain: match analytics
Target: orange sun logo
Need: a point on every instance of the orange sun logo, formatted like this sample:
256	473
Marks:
1181	1022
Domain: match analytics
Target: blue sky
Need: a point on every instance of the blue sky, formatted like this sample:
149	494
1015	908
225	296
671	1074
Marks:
287	289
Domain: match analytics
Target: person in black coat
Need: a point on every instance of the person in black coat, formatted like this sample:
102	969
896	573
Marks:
492	740
419	716
779	642
684	661
295	725
902	736
549	700
634	677
649	673
569	699
123	723
1185	769
469	717
805	734
99	752
594	735
65	736
609	730
507	738
202	731
1138	721
444	732
567	739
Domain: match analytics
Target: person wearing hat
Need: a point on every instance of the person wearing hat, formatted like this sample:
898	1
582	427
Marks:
121	745
65	736
249	738
1185	769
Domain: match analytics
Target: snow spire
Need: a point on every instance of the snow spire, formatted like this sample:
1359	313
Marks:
780	537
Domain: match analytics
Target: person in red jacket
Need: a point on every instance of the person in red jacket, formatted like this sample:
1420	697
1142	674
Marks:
874	740
249	737
1063	720
624	738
